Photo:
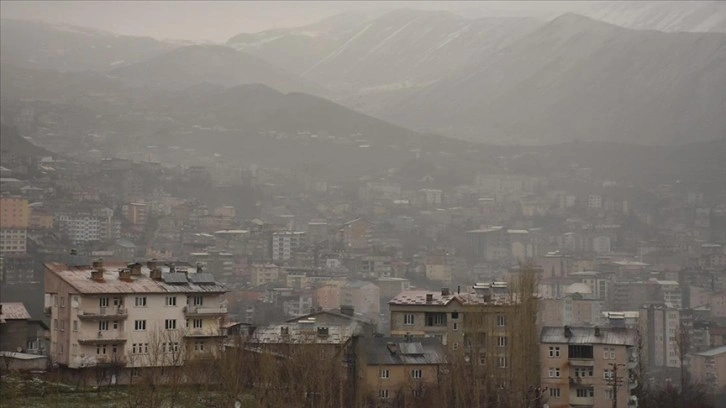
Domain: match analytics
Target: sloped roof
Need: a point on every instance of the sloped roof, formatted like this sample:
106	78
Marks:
586	335
402	351
14	311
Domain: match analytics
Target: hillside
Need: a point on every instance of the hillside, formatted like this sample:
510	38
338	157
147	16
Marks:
581	79
400	49
214	64
63	47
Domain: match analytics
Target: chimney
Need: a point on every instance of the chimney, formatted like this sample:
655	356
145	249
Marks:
172	267
597	331
568	332
199	268
125	274
284	331
429	297
135	269
97	272
444	291
347	310
155	273
458	289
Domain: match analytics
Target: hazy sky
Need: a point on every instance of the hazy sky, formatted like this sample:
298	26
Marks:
219	20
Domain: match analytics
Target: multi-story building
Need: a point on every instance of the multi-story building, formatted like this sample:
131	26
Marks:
284	243
135	213
588	366
14	220
264	273
132	317
398	368
709	368
365	297
659	325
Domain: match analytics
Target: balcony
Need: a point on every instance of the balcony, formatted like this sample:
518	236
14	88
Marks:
102	313
205	333
103	337
200	311
578	362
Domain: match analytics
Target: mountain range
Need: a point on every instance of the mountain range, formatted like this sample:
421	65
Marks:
578	79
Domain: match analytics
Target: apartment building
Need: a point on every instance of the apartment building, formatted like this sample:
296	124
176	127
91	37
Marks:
14	220
589	366
709	368
284	243
400	368
261	274
132	317
659	325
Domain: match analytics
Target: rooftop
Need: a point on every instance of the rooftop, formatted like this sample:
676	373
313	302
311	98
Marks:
586	335
79	277
13	311
301	333
418	297
713	352
404	351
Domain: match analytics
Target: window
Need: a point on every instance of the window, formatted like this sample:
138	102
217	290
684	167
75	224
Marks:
135	372
580	352
607	374
199	345
55	324
455	346
140	325
140	301
115	324
585	392
583	371
407	320
554	392
114	348
417	393
101	349
610	394
62	325
197	323
501	341
501	320
554	372
502	362
416	374
454	315
384	373
103	325
170	324
197	300
103	302
456	326
171	300
554	351
117	301
435	319
63	302
383	394
75	325
608	353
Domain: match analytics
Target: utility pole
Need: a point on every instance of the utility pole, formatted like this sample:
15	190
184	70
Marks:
614	381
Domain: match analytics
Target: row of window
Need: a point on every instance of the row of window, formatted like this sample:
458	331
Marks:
582	352
169	324
384	394
140	301
415	373
438	319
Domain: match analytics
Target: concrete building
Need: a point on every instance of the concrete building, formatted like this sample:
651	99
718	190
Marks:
261	274
400	368
659	324
709	368
284	243
13	326
355	234
14	221
365	297
135	213
588	366
132	317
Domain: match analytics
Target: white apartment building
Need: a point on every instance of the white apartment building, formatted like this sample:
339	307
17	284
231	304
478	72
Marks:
132	317
13	241
284	243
